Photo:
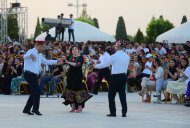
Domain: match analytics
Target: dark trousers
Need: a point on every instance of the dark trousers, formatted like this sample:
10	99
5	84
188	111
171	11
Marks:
62	34
1	82
117	84
140	76
131	81
71	32
7	84
103	73
57	33
34	98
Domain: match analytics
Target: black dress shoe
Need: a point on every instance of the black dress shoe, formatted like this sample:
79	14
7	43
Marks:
111	115
123	115
166	100
28	112
37	113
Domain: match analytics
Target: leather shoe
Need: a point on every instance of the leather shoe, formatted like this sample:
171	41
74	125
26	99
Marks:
111	115
123	115
28	112
37	113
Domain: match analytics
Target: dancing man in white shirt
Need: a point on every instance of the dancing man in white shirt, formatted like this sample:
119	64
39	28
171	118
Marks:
32	69
104	72
119	62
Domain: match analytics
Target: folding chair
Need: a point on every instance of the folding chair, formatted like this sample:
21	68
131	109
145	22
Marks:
24	85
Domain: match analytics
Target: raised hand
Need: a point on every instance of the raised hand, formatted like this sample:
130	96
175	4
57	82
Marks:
60	61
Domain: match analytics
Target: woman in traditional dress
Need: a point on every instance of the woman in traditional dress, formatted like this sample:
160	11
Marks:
75	94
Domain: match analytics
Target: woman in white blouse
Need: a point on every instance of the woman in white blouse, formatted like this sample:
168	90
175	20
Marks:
157	74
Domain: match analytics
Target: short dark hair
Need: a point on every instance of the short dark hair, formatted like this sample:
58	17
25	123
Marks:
102	48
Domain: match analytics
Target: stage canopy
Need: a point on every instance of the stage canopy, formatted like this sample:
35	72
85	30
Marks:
179	35
83	33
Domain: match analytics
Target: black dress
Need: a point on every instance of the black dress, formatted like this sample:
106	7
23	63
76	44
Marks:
75	92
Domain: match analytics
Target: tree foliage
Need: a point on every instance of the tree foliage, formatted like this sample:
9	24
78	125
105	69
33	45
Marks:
38	29
139	37
184	19
45	27
96	22
157	27
121	29
12	26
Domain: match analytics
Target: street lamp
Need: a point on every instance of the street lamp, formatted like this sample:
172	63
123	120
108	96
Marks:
77	5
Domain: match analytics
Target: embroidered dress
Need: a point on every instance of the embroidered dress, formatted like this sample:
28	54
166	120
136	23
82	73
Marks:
75	90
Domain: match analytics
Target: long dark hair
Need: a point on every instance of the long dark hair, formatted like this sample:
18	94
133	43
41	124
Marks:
187	63
157	61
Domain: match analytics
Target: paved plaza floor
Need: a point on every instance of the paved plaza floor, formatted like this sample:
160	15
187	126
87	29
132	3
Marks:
56	115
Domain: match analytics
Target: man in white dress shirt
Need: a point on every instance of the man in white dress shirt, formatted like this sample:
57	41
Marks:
119	62
104	72
32	69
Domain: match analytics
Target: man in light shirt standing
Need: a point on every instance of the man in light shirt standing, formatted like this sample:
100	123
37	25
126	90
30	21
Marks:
32	69
104	72
119	62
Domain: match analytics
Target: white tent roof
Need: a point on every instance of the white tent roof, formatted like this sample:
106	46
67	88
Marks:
180	34
83	33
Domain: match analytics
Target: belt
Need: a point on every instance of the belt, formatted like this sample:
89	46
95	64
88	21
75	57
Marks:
30	72
119	74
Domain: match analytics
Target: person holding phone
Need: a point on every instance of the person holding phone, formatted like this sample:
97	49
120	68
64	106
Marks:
179	86
170	74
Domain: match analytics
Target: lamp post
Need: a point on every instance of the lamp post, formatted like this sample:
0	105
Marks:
77	5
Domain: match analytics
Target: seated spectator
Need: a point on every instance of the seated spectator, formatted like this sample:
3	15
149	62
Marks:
1	67
137	64
131	75
147	70
18	78
164	62
160	49
170	75
179	86
7	75
157	74
53	79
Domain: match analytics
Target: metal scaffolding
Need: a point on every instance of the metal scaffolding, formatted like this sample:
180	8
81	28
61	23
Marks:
3	21
22	18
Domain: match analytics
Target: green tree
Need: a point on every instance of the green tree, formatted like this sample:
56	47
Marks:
121	29
12	26
139	37
38	28
157	27
130	37
45	27
96	22
184	19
